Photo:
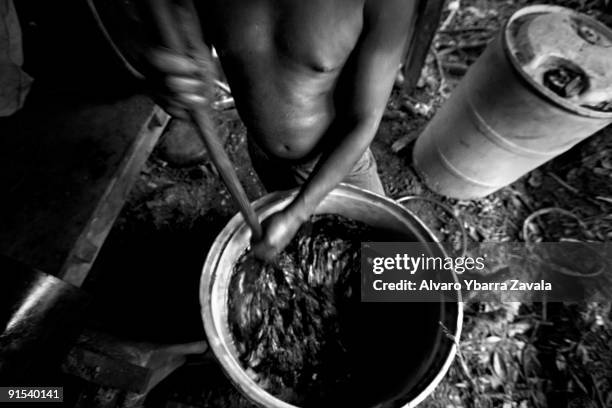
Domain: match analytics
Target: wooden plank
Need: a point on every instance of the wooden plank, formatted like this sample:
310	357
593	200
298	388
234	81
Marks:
429	13
66	168
130	366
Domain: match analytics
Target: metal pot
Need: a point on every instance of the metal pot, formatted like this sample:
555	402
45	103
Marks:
412	351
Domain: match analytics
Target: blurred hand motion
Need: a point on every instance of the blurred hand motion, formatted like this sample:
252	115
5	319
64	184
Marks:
180	84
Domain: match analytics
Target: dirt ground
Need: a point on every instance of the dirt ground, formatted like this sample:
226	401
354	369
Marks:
510	355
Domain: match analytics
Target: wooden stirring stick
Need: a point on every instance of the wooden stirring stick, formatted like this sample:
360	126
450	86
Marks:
180	29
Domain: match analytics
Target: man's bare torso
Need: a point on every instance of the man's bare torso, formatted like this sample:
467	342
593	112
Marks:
283	59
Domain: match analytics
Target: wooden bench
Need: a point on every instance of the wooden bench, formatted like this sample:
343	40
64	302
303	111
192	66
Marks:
66	167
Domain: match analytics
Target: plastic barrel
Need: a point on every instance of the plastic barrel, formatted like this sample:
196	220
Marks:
503	120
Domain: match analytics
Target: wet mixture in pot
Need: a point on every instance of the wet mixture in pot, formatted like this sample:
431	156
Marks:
293	320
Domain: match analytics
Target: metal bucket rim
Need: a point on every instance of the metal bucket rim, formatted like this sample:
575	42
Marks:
541	89
230	366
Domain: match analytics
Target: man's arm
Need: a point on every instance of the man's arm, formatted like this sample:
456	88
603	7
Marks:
365	85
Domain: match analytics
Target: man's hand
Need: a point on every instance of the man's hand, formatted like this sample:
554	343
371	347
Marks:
278	230
178	82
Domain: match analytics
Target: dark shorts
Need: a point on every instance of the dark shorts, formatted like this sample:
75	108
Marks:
277	174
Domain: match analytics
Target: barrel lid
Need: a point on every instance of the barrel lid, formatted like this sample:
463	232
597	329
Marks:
565	54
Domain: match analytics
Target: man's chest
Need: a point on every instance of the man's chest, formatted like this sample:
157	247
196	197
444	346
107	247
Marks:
319	34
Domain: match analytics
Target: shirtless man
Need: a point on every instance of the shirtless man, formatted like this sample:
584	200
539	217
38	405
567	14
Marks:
310	79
